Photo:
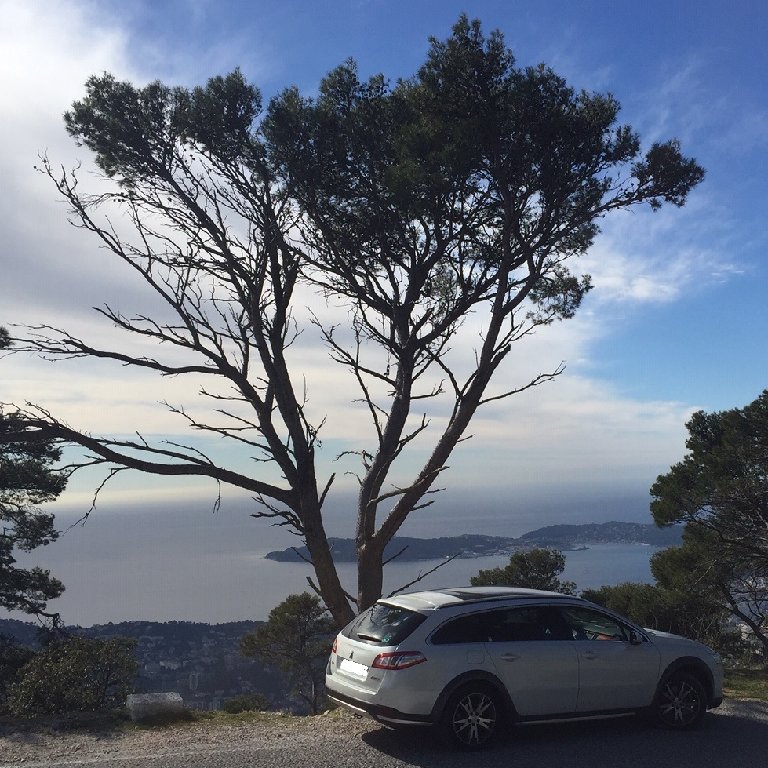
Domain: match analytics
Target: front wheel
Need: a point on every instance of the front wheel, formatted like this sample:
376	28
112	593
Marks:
472	717
681	702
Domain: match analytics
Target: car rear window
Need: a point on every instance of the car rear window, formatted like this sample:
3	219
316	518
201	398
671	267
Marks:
383	624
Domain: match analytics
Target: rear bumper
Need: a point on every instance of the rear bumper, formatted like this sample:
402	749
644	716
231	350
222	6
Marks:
384	715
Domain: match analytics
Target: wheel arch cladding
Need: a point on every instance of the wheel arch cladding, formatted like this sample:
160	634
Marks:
478	676
693	666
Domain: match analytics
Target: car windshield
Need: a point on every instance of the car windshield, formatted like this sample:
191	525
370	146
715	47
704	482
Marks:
384	624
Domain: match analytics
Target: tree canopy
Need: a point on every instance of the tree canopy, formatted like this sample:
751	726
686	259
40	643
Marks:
720	491
27	479
468	189
668	606
534	569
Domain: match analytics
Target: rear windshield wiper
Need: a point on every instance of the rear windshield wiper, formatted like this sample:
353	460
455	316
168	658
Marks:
363	636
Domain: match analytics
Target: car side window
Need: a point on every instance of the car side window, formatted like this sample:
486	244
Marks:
528	623
589	624
470	628
504	625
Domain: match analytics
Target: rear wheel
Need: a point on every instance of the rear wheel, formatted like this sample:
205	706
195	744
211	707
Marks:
681	702
472	717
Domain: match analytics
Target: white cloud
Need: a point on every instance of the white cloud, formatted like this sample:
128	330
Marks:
643	256
47	51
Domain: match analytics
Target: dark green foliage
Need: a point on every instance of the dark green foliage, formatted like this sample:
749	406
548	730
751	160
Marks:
131	130
137	133
297	639
714	582
534	569
722	483
13	656
646	604
667	610
254	702
75	674
26	480
720	491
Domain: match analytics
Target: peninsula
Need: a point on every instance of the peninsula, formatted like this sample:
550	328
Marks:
472	545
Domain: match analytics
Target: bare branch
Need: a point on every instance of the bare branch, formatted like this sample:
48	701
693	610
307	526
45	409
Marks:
422	576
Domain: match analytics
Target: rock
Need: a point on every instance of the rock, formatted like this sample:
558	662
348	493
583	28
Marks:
152	706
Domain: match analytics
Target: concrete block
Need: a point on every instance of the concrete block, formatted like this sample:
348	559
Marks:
148	706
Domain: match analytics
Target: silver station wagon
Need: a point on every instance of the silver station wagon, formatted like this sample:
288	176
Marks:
473	660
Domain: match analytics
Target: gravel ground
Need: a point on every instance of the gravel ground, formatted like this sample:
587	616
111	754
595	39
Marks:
49	746
734	735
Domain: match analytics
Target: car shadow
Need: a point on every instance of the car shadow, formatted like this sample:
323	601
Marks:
735	735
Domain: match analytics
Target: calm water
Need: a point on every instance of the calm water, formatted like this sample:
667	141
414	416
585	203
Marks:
195	566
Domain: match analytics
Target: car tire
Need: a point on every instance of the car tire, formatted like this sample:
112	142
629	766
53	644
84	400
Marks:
680	703
472	717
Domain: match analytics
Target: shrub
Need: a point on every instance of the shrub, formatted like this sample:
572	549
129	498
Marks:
13	657
254	702
75	674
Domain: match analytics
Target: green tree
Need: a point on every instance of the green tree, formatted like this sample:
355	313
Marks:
646	604
720	492
75	674
468	189
669	610
27	479
712	586
296	638
535	569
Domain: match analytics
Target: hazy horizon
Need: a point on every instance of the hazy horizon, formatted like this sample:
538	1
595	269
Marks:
181	561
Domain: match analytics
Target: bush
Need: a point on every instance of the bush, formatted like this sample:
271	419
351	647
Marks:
13	657
75	674
254	702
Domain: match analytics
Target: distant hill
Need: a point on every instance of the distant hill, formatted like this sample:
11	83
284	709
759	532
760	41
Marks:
570	536
471	545
467	545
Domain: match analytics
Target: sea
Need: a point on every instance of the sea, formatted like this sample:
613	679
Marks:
188	563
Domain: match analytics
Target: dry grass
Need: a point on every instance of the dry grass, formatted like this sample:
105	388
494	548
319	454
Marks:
746	683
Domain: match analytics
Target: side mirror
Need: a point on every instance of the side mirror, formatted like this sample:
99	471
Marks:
635	638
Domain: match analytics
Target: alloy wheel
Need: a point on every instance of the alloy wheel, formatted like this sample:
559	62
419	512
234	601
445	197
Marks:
474	718
680	703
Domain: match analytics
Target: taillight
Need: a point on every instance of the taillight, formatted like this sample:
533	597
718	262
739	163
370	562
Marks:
335	644
398	660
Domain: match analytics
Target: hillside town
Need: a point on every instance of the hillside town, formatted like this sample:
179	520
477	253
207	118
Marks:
201	662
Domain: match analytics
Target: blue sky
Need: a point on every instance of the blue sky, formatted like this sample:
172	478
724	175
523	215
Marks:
677	320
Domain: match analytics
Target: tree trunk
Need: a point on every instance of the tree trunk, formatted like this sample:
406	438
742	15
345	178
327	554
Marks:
331	591
370	574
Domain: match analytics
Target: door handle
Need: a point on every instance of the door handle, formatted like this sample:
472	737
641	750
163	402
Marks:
510	656
589	655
